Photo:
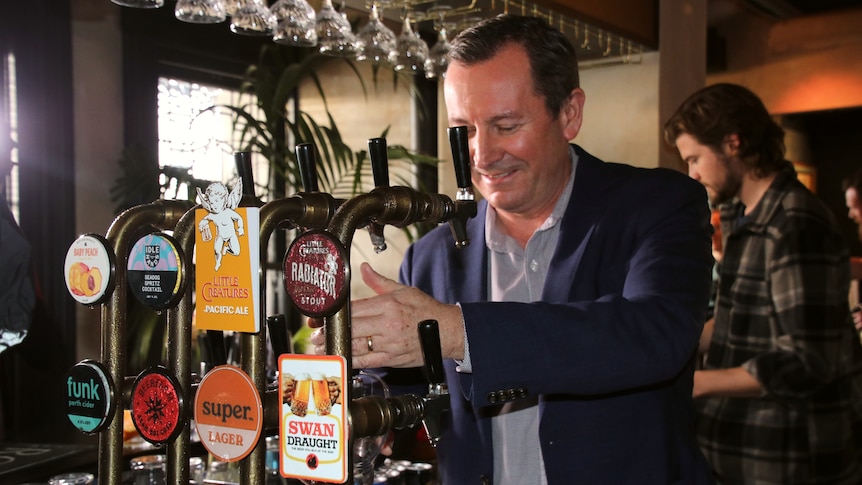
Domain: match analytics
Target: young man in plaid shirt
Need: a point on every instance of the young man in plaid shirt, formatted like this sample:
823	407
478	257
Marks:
780	395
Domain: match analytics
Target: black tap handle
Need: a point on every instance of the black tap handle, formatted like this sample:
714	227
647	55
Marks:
243	169
429	339
307	160
278	336
218	353
379	161
460	155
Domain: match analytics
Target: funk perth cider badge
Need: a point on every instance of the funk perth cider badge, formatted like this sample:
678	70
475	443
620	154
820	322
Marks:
313	416
90	396
227	257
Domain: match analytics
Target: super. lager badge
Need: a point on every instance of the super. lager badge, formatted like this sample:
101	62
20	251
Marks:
228	413
157	405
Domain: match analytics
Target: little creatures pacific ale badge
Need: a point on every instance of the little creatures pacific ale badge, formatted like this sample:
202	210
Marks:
227	248
315	273
312	426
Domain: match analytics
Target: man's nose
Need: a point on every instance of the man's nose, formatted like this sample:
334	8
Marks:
484	150
692	172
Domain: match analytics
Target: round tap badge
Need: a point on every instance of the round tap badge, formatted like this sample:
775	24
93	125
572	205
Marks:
90	396
89	269
228	413
157	405
154	271
315	273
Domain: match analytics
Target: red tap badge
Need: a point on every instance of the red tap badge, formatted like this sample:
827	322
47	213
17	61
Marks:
157	405
315	273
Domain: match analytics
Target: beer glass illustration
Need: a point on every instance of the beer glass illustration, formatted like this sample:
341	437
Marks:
299	403
320	389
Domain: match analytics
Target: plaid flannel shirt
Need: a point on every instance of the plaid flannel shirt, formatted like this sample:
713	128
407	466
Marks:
782	314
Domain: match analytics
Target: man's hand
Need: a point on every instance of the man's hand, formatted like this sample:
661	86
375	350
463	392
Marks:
384	327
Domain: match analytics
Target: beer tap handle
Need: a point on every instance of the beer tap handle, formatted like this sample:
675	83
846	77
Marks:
461	159
429	340
216	343
379	161
243	169
436	403
307	160
278	335
465	203
380	169
246	176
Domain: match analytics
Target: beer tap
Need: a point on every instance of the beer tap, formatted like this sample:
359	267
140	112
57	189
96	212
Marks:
162	214
400	206
464	200
310	208
380	170
179	323
375	415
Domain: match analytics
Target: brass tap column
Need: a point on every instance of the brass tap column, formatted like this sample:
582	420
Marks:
162	214
179	353
307	209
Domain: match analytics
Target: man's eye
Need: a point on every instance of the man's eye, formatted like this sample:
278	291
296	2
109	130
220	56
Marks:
506	128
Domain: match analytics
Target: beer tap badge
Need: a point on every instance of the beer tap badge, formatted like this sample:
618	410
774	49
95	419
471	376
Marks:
89	269
315	273
227	258
313	416
155	272
157	405
90	394
228	413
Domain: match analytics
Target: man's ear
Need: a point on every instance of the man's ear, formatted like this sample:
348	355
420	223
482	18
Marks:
731	143
572	113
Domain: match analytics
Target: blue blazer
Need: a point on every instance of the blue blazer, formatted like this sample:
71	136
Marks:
609	351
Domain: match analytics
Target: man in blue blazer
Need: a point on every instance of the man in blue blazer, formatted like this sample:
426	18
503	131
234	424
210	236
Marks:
571	322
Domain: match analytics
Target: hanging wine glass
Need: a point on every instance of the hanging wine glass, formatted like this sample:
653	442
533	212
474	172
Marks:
438	56
231	6
334	37
295	23
254	18
140	3
377	42
412	50
200	11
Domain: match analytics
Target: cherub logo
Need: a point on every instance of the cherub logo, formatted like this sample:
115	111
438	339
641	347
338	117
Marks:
331	264
228	224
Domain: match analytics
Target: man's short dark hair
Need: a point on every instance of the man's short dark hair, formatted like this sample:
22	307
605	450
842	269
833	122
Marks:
714	112
553	59
853	181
